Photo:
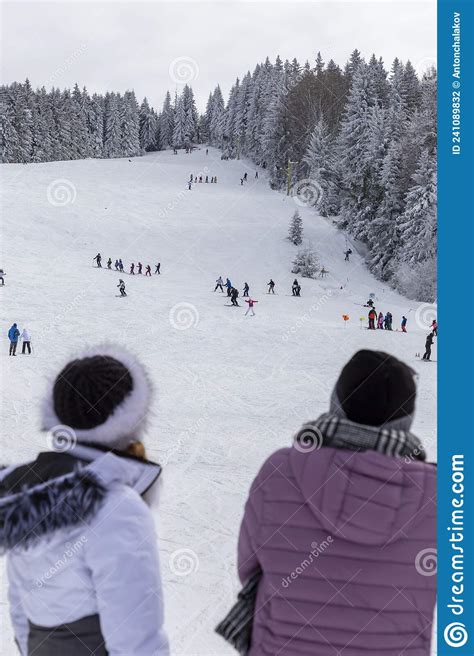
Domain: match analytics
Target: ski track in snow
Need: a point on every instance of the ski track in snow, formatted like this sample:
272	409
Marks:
230	389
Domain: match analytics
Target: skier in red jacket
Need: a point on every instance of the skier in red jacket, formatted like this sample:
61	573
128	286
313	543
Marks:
251	303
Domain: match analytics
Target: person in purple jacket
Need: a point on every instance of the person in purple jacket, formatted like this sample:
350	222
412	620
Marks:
342	526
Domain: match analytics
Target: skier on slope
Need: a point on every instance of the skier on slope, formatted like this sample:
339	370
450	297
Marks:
251	303
2	279
219	284
109	263
295	287
190	185
390	319
228	284
116	265
380	321
404	324
13	335
245	177
98	259
26	342
234	295
271	286
256	175
369	303
157	268
132	269
428	345
140	267
148	270
372	318
246	289
347	254
120	265
121	287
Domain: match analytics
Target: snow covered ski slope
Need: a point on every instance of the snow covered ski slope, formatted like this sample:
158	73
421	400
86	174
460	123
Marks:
230	388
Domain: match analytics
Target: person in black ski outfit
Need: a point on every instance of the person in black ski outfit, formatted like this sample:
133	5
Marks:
157	268
109	263
295	288
148	270
234	295
428	345
370	303
98	259
132	269
347	253
140	267
245	177
271	287
246	289
256	175
121	287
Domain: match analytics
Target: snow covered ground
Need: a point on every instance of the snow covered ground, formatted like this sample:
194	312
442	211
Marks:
230	389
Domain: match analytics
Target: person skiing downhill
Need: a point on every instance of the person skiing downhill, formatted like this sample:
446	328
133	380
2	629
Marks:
245	177
13	335
116	265
157	268
295	289
121	287
404	324
271	287
228	284
428	345
380	321
109	263
246	289
140	267
2	279
148	270
120	265
347	254
251	302
132	269
98	259
372	318
190	185
219	284
256	175
234	295
26	345
369	303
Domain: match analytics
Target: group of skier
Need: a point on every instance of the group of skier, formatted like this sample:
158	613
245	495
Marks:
194	178
118	266
14	336
381	321
245	176
233	293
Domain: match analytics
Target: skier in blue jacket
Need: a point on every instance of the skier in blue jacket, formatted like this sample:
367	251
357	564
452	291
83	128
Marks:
13	335
228	284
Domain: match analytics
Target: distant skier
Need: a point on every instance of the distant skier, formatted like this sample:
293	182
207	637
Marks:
228	284
132	269
241	181
245	177
219	284
120	265
116	265
109	263
191	178
428	345
271	287
207	151
372	318
256	175
148	270
251	303
207	178
121	287
434	327
140	267
246	289
98	259
390	319
370	303
26	345
157	268
347	254
380	321
215	179
190	185
234	295
13	335
404	324
2	276
295	288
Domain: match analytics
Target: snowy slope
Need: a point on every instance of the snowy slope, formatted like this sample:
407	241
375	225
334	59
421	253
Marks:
230	389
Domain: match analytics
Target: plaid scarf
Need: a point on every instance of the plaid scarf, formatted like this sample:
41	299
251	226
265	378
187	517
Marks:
236	627
341	433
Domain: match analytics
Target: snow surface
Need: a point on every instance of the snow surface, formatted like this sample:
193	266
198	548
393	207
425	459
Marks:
230	389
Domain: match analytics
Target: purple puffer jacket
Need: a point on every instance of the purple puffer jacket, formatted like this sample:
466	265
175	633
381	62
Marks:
346	544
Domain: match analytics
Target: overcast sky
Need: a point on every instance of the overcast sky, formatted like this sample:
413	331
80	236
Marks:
154	46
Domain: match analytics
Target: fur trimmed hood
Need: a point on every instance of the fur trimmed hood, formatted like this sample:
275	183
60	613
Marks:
61	490
126	423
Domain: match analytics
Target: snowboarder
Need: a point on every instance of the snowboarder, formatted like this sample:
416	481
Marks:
25	337
246	289
148	270
347	254
404	324
372	318
98	259
2	274
428	345
434	327
13	335
121	287
251	303
109	263
157	268
234	295
140	267
228	284
271	287
380	321
219	284
132	269
295	288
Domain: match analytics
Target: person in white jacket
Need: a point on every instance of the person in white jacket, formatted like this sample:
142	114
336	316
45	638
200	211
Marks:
82	558
25	337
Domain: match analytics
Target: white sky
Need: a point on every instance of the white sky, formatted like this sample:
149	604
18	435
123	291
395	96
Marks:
114	46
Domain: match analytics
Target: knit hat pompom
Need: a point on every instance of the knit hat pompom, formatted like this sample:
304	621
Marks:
374	388
103	396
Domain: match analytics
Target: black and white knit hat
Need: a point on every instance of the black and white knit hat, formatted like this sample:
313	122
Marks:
103	395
